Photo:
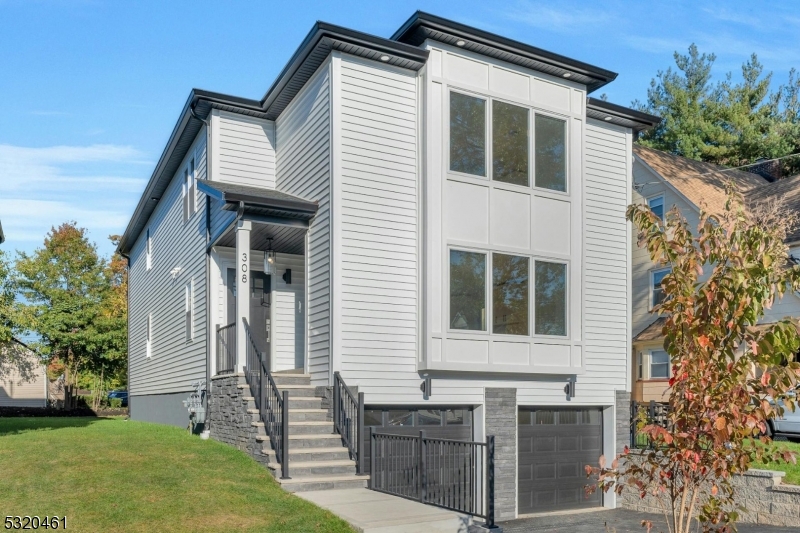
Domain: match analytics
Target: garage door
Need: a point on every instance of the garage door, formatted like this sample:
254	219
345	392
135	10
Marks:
554	447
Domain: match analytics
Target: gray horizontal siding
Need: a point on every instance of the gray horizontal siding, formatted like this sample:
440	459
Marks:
246	150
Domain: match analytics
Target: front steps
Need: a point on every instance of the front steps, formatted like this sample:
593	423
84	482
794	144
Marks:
317	458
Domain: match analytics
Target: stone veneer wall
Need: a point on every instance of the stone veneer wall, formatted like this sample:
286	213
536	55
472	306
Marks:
227	413
766	499
501	421
622	414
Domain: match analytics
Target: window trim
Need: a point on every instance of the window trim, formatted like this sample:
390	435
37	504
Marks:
486	291
645	366
489	117
652	276
149	250
189	310
567	306
663	204
149	336
531	323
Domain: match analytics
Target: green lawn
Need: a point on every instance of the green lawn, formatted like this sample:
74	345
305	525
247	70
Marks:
116	475
792	470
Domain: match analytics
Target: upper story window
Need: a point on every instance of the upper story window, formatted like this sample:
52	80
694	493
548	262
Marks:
510	142
189	192
510	294
656	291
149	250
656	205
189	310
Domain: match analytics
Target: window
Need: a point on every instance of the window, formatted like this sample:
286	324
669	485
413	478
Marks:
656	205
550	137
550	298
189	195
509	143
640	364
467	134
149	250
467	290
188	305
509	294
659	364
656	291
149	335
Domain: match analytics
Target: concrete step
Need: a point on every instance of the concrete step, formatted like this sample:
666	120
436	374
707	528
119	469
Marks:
297	391
315	468
308	415
291	379
330	453
303	402
313	427
318	440
309	483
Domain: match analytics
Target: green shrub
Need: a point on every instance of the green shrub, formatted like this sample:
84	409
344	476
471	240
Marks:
116	403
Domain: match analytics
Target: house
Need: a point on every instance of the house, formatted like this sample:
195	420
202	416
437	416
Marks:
22	388
664	180
434	219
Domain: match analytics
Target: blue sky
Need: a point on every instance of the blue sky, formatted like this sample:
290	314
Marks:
92	88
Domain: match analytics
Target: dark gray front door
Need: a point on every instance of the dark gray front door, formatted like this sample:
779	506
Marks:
260	299
554	447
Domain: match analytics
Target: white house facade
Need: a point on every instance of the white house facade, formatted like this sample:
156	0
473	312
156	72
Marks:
435	219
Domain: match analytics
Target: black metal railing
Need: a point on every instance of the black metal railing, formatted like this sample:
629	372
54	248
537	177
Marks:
226	348
647	414
451	474
348	420
273	407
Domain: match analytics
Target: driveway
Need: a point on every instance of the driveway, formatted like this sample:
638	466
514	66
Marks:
613	521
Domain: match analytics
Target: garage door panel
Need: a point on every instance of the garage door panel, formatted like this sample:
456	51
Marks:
554	447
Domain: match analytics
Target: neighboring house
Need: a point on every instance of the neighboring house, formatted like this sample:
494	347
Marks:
18	392
663	180
445	204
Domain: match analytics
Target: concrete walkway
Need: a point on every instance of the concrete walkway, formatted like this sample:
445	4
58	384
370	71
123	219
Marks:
616	521
374	512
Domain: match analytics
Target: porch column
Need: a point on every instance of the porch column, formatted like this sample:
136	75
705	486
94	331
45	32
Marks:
242	290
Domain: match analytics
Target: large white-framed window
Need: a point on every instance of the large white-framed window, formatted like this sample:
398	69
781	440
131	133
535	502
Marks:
656	291
519	307
149	250
149	336
653	364
189	192
656	205
507	142
189	310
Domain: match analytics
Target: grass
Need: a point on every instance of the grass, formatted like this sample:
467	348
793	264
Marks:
109	474
792	470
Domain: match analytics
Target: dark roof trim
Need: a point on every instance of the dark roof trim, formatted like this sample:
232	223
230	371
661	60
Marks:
257	197
619	115
423	26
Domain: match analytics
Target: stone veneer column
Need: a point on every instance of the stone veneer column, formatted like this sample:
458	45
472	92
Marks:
622	414
501	421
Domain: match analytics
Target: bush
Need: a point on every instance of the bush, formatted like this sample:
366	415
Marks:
116	403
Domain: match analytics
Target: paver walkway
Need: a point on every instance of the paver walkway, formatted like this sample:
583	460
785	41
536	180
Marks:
612	521
374	512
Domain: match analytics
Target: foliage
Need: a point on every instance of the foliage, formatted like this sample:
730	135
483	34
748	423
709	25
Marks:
76	304
115	403
138	478
724	370
729	123
14	357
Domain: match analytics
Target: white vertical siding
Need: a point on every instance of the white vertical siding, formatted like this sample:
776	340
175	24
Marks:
303	142
175	363
378	242
288	314
245	149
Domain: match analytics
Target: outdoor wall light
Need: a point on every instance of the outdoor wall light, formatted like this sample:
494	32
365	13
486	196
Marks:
570	389
607	119
460	43
269	259
567	74
384	58
425	387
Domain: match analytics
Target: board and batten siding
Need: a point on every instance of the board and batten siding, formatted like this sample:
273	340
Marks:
174	363
303	159
244	149
376	253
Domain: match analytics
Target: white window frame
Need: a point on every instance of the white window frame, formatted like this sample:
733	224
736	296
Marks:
645	365
663	204
189	310
487	291
532	112
652	276
189	189
149	336
149	249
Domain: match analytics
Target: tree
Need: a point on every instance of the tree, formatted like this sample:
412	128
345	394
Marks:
729	123
13	356
728	378
62	286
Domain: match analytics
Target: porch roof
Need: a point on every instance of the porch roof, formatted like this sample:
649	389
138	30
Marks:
259	201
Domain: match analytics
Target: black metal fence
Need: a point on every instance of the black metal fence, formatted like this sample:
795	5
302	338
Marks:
226	348
273	407
454	475
647	414
348	419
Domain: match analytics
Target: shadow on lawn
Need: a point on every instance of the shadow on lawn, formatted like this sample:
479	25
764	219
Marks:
17	425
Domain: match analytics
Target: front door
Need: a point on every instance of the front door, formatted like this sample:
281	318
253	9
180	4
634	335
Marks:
260	295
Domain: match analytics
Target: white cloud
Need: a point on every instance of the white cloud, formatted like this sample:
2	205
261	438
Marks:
564	19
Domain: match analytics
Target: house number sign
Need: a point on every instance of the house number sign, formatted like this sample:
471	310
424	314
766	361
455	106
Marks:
244	268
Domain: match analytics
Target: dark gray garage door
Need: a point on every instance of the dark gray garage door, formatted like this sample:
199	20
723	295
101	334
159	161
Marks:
554	447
